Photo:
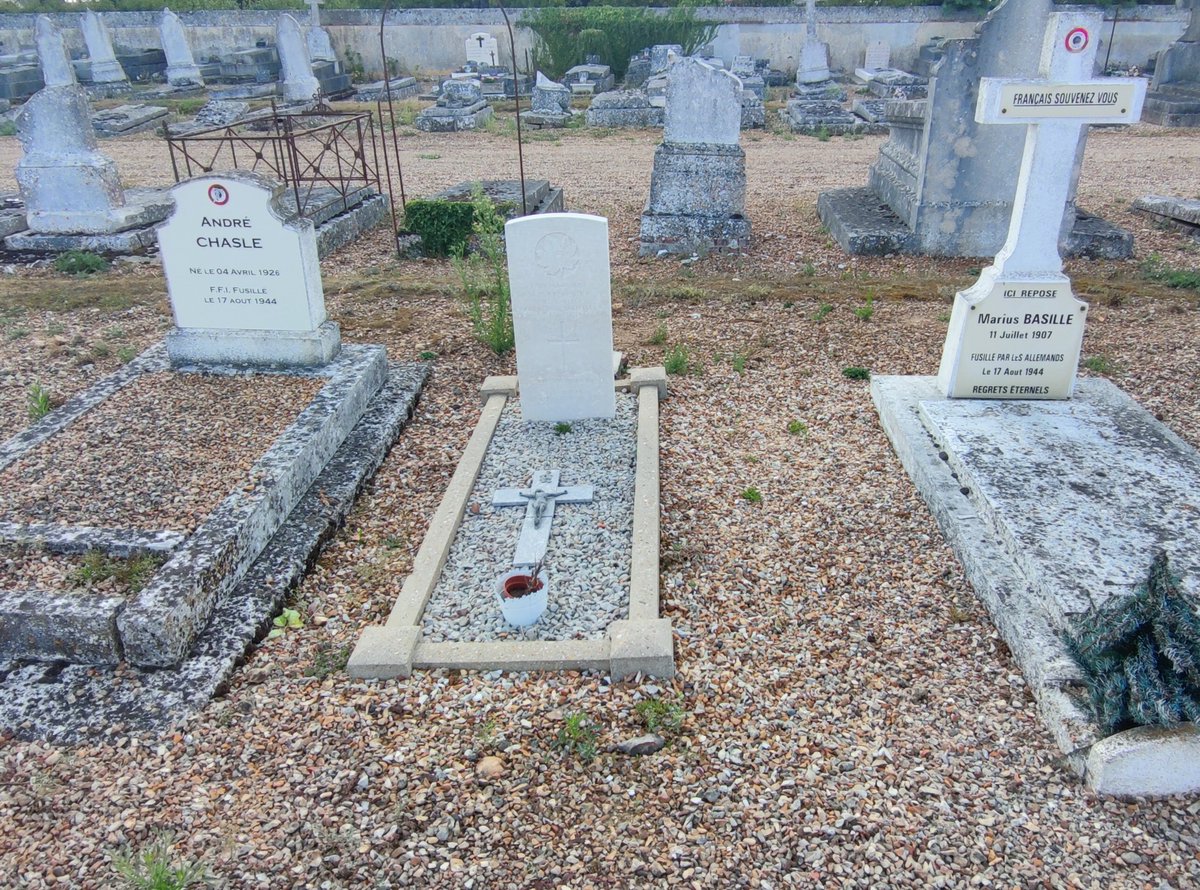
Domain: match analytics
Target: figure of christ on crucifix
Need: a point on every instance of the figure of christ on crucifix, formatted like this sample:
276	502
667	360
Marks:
539	501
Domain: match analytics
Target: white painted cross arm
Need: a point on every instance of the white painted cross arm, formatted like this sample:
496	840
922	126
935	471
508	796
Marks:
1111	100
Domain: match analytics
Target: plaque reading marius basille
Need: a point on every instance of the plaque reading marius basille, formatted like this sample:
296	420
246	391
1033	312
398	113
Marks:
1013	338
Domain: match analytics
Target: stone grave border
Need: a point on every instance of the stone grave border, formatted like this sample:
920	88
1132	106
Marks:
1125	764
642	643
156	627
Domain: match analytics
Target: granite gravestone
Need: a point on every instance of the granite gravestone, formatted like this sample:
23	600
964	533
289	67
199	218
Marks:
1016	334
814	55
550	104
243	278
460	106
297	83
182	72
105	67
698	185
562	315
1174	96
320	47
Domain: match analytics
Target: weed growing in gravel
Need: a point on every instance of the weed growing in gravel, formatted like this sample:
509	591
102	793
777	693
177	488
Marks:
487	733
37	401
151	868
738	362
393	542
752	495
113	332
126	354
822	311
664	717
561	428
101	350
578	737
797	428
328	660
80	263
822	134
1155	270
132	573
809	270
427	356
18	333
866	310
943	317
8	128
856	373
428	157
484	276
659	337
1100	364
284	621
677	360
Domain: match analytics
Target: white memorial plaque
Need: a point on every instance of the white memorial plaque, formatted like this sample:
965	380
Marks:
878	56
1016	334
562	315
483	49
233	262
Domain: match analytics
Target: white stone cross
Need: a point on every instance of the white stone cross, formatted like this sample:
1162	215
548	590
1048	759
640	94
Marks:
314	10
1016	333
539	500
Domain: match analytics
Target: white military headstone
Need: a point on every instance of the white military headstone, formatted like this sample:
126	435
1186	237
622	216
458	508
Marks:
105	67
483	49
1017	332
244	280
878	56
704	104
562	315
181	65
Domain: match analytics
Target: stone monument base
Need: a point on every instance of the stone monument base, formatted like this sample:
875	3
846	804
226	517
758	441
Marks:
1173	106
200	346
686	234
624	108
439	119
812	117
865	226
697	195
131	227
545	120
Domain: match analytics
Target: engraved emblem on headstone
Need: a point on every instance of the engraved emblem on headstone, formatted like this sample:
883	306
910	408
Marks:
556	254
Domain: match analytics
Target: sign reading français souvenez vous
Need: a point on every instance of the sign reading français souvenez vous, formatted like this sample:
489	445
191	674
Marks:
234	262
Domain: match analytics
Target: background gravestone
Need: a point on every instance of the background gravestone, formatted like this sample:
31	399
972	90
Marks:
482	49
298	83
562	315
1174	98
182	72
105	67
243	277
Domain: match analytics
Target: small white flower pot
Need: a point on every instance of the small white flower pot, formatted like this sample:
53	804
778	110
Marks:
522	611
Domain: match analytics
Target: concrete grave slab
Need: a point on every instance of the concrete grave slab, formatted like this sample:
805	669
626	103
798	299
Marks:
1107	442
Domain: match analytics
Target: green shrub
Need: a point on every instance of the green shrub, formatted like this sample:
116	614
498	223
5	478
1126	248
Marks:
37	401
1140	657
444	226
678	360
80	262
151	868
856	373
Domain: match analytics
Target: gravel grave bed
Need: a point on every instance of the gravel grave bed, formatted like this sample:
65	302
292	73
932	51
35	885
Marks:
159	454
23	568
588	558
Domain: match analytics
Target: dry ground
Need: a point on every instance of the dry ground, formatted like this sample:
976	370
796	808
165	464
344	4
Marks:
852	718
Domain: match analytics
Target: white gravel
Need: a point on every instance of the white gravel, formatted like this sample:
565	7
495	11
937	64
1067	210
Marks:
588	558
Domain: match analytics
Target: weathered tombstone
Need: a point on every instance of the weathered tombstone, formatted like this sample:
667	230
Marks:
940	186
1016	334
69	188
814	55
320	47
105	67
181	66
878	56
243	278
590	78
698	186
623	108
298	83
482	49
460	106
550	104
745	69
1174	97
660	56
558	269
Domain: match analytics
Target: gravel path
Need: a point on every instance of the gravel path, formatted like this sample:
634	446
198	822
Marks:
588	557
852	718
159	454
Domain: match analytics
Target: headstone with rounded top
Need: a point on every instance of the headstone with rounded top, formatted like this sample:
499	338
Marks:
105	67
182	71
483	49
297	81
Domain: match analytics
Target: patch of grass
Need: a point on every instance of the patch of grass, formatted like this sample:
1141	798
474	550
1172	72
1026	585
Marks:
133	573
856	373
662	716
427	356
126	354
1100	364
738	362
328	660
822	134
393	542
678	360
578	737
153	868
809	270
18	333
37	402
80	263
659	337
428	157
1155	269
752	495
822	312
101	350
943	317
866	310
797	428
561	428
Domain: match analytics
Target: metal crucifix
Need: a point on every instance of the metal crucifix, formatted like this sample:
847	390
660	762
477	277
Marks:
539	501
